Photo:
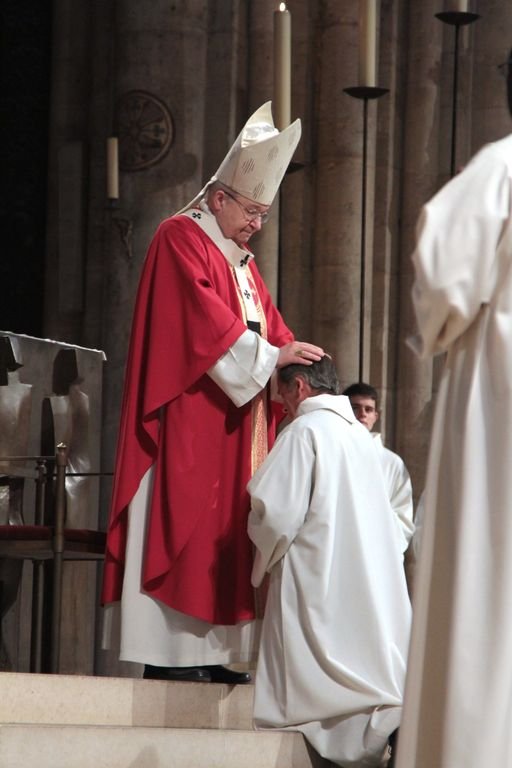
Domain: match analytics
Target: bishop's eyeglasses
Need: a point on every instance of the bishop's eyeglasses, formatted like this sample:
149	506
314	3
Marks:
249	213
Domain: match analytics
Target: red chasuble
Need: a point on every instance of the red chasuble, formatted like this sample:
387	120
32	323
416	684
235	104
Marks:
198	556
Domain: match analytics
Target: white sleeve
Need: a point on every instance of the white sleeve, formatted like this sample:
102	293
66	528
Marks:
458	235
399	487
245	368
402	502
280	493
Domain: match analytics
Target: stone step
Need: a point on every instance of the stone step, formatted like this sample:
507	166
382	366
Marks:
81	746
72	721
116	701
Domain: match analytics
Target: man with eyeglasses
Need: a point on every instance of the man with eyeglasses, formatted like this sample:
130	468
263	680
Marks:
237	219
197	421
459	680
364	401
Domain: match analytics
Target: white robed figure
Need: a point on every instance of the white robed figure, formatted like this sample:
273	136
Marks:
336	626
458	702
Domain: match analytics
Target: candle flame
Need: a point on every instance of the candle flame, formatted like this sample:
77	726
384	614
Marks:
282	7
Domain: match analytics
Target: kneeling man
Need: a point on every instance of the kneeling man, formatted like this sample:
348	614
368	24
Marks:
336	626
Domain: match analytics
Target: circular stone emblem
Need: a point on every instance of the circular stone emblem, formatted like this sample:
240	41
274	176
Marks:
145	130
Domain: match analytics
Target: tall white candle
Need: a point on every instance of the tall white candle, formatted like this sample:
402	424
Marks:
461	6
368	42
282	66
112	168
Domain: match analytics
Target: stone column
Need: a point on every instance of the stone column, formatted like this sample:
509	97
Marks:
386	222
297	212
420	181
67	171
337	207
492	43
65	277
225	67
260	63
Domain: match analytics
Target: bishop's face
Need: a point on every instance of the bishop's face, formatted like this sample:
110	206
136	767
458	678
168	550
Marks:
238	217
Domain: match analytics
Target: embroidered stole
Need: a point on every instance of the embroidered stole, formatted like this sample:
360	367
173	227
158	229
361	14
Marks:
252	315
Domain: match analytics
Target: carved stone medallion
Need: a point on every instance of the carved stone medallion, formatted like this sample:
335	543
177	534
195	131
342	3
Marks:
145	130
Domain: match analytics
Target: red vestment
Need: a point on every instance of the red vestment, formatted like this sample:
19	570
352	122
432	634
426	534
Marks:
198	556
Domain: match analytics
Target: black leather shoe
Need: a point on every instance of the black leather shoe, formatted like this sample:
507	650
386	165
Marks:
188	674
220	674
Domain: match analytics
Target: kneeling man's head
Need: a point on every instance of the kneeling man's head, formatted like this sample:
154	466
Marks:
297	382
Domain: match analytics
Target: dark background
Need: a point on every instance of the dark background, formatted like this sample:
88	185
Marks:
25	45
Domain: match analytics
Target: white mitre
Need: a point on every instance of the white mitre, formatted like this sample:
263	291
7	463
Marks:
256	163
